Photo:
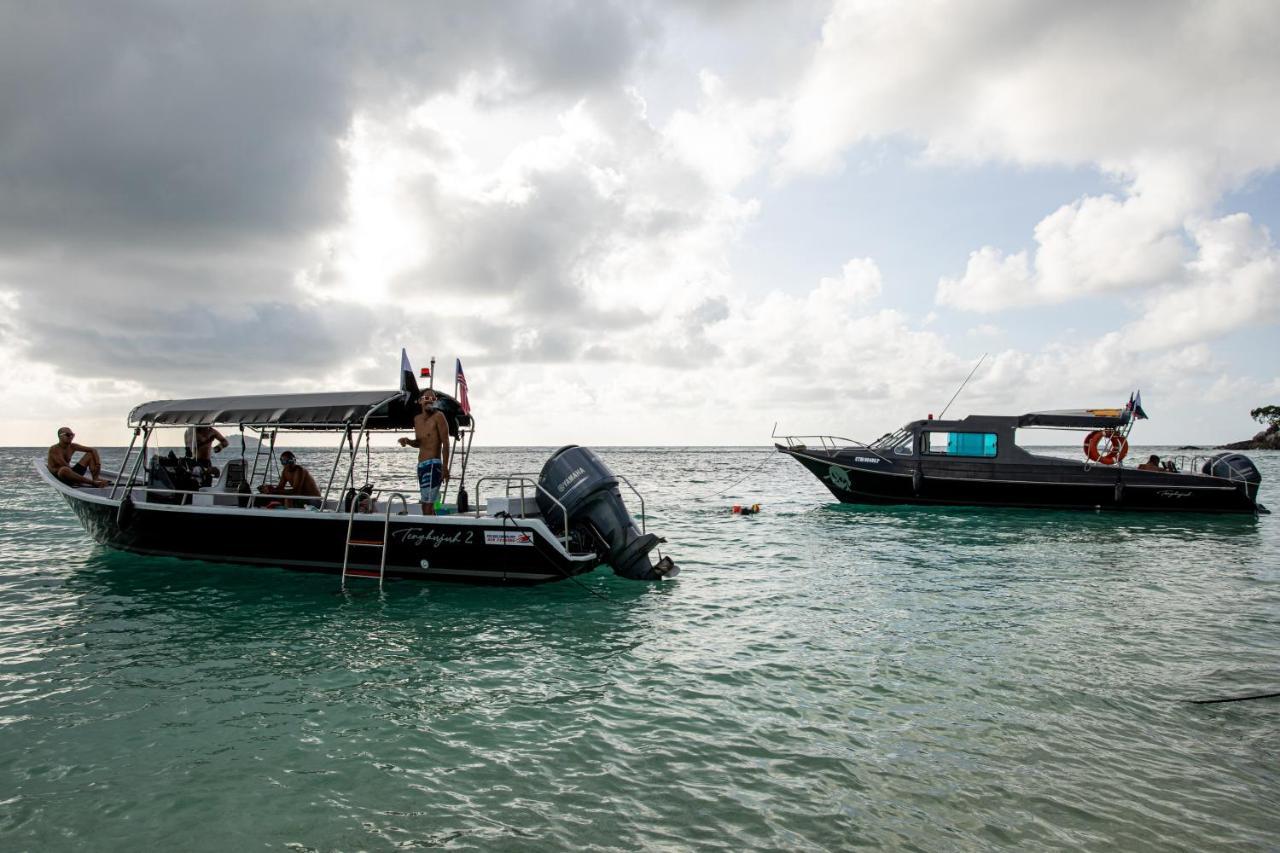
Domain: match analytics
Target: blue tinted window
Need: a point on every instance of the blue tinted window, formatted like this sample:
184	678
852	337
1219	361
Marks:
962	443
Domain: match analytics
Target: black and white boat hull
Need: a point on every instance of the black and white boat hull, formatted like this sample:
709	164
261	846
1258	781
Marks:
857	477
463	548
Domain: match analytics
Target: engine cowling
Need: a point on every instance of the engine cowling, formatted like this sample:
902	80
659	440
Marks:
1236	467
589	493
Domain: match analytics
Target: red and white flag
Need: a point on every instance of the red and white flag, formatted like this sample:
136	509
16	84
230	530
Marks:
462	390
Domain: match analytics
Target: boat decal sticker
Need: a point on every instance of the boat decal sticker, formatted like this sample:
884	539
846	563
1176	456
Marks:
507	537
838	476
423	538
1173	493
870	459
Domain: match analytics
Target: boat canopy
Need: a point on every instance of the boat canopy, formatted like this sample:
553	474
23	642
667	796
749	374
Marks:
1077	418
330	410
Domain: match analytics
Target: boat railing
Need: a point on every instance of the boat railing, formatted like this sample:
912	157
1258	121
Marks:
828	443
523	482
252	497
1185	464
1194	464
639	497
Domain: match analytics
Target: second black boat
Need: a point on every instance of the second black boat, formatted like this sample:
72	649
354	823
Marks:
977	461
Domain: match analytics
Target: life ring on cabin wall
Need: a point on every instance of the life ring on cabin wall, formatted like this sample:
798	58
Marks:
1105	446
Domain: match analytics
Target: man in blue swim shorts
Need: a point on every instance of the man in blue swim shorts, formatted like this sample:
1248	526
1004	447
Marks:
431	437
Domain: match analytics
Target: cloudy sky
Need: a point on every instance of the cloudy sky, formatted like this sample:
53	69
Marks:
643	222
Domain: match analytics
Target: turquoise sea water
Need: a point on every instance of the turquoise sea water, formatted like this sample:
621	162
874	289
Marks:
818	677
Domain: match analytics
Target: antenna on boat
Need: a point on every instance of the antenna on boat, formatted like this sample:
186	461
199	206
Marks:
962	384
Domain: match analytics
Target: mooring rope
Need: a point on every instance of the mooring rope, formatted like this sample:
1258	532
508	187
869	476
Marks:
1233	699
769	458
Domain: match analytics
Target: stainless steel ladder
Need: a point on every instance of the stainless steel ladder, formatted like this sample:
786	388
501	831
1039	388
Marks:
380	544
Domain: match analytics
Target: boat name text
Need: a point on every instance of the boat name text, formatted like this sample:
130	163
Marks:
419	538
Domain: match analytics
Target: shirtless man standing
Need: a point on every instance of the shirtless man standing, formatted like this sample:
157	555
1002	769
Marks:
431	437
61	466
201	441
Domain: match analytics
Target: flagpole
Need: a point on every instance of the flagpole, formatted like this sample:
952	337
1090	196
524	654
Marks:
431	380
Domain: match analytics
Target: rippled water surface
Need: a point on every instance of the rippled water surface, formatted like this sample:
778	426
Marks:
818	677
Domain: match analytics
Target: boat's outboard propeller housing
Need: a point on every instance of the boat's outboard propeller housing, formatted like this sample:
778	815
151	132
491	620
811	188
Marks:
588	490
1237	467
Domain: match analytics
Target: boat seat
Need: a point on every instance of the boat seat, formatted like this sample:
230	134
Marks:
232	476
228	490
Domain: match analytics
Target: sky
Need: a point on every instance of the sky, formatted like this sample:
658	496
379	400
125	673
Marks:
643	223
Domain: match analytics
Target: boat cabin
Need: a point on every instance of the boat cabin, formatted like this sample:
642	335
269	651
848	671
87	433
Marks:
992	437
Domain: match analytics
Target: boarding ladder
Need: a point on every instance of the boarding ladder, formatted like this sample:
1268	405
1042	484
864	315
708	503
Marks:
380	544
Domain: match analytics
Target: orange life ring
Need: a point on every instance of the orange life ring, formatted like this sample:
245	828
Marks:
1105	446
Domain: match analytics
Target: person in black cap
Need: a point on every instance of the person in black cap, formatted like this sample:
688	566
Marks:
295	481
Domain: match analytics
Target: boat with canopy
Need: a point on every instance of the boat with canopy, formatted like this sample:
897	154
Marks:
977	461
562	521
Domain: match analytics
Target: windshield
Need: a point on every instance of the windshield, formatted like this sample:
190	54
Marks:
890	440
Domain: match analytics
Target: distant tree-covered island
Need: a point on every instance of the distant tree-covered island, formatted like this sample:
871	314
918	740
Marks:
1269	438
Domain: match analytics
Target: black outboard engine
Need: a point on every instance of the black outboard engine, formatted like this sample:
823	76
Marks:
589	492
1237	467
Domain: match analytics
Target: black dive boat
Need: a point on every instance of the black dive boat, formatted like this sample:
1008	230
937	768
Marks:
564	521
976	461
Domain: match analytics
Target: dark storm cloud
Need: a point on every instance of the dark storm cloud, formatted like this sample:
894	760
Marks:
191	351
143	121
159	157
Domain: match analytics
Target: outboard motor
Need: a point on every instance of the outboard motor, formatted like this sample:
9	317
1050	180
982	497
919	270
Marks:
589	492
1236	467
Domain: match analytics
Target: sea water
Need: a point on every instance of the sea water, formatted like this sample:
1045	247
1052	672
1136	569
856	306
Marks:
819	677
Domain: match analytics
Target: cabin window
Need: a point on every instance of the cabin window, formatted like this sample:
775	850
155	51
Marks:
962	443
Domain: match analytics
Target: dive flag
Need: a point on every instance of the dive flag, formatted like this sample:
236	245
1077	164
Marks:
1135	406
462	390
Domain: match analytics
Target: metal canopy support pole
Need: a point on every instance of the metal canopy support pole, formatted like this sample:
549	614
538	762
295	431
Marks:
124	462
257	454
350	480
337	457
271	455
142	454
